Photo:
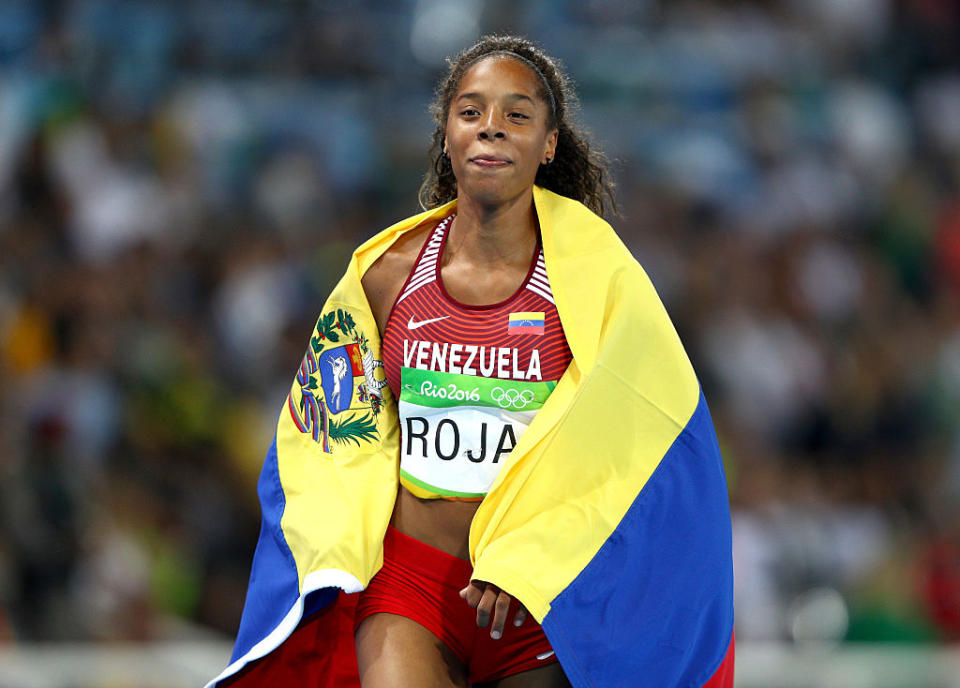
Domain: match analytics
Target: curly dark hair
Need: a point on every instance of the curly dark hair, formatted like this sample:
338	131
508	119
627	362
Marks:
578	171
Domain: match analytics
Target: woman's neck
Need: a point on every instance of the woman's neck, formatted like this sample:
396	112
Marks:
505	233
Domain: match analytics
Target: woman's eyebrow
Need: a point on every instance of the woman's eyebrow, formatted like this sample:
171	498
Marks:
480	96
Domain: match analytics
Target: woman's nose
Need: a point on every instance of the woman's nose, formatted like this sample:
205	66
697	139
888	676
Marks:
492	126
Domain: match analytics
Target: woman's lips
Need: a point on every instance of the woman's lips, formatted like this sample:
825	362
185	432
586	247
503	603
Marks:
484	161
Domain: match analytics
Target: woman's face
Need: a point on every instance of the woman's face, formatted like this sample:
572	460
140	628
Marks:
497	134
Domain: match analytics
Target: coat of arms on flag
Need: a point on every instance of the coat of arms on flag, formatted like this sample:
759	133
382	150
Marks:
526	322
338	366
333	380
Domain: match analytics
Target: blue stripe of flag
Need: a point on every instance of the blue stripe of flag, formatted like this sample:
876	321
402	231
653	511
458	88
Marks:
654	607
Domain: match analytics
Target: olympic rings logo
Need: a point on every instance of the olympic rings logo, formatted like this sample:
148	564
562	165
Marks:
511	398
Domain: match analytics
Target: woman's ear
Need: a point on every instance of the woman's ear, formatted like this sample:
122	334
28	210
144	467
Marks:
550	151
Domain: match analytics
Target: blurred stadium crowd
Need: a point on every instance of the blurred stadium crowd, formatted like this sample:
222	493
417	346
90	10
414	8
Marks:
181	183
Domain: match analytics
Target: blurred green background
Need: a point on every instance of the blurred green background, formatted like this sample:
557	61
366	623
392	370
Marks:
182	182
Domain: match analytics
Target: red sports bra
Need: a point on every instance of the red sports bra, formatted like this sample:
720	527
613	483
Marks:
468	379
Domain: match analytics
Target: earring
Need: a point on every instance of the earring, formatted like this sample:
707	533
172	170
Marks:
549	160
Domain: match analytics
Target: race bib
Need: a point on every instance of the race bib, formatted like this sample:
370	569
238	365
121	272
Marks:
457	430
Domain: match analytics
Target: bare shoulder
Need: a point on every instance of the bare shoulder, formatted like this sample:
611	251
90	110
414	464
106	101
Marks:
384	279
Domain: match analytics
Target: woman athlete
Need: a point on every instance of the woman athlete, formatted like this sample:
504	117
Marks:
508	453
501	127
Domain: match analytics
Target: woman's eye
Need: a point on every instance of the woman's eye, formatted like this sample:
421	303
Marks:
518	115
470	112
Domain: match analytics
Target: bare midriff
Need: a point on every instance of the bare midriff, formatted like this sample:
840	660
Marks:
440	523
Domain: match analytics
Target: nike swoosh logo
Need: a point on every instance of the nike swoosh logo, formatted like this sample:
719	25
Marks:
412	325
545	655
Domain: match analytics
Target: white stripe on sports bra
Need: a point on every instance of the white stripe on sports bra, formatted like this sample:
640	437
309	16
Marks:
425	271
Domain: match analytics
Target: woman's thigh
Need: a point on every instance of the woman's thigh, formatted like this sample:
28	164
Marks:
395	652
551	676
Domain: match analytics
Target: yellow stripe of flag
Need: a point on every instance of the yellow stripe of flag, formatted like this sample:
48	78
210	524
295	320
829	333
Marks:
526	315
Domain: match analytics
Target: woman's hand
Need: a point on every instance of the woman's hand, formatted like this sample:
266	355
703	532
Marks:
486	598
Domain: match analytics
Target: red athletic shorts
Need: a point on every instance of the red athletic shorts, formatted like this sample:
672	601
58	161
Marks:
423	584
